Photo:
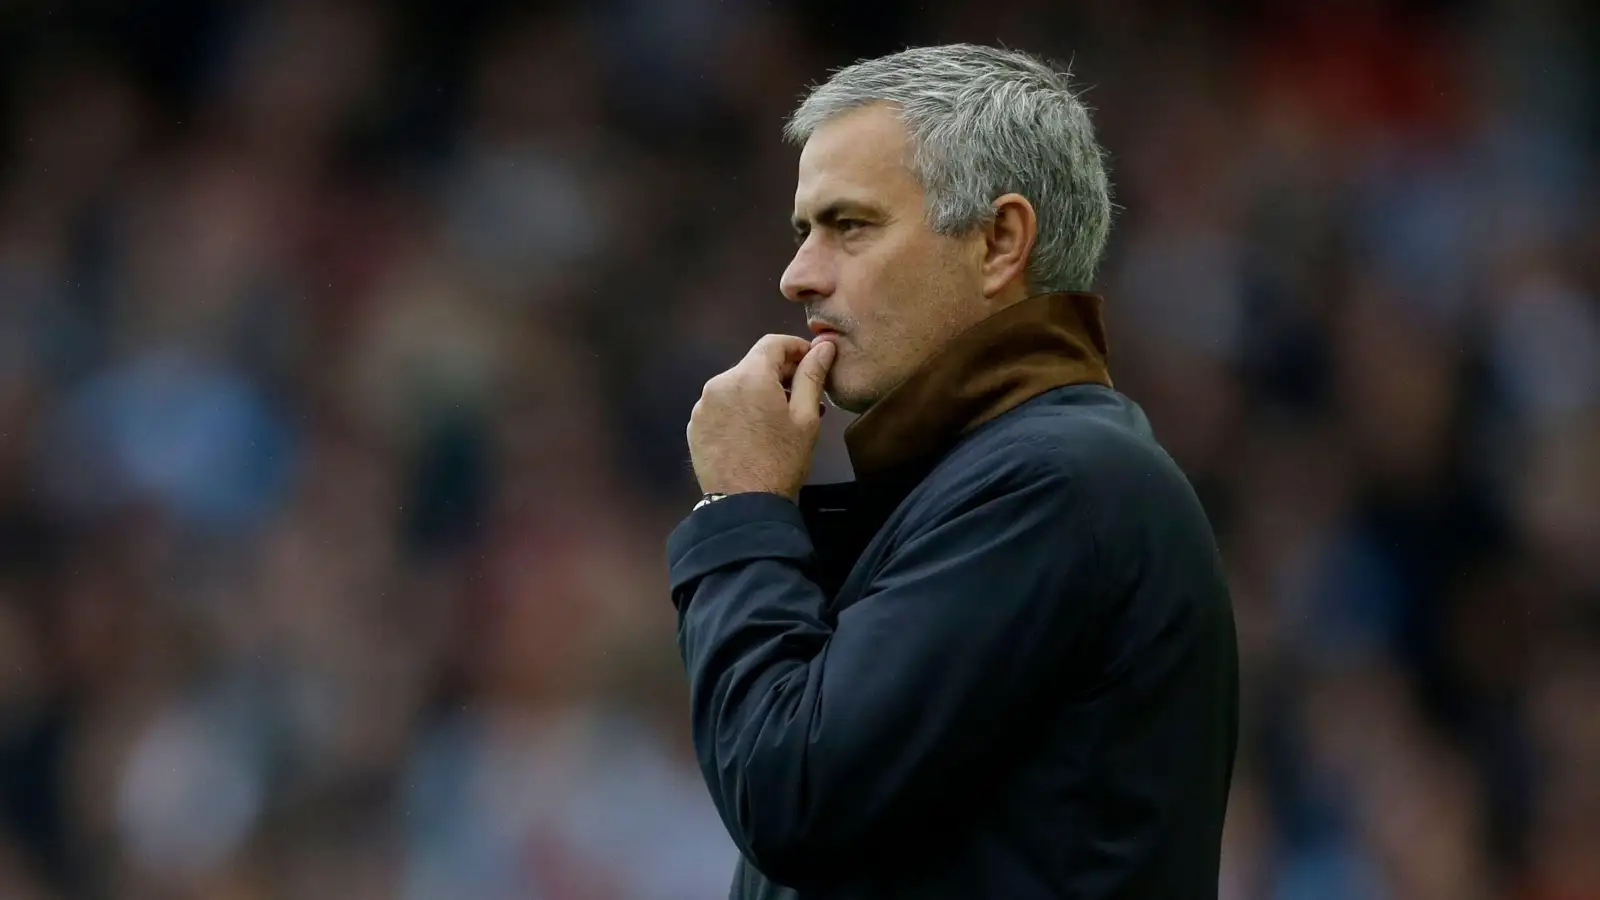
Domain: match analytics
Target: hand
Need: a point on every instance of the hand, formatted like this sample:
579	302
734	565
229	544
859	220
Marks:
745	435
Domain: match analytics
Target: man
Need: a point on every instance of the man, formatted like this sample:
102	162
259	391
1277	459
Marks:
1001	663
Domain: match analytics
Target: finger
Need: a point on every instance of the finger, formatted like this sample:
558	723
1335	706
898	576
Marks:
777	354
822	408
805	394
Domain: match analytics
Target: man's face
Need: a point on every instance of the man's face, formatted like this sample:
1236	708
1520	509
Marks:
874	278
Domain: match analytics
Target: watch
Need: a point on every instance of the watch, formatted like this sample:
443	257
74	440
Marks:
709	499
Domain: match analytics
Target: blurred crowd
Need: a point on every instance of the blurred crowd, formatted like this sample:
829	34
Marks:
346	350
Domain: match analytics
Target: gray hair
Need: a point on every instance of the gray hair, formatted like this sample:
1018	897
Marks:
985	122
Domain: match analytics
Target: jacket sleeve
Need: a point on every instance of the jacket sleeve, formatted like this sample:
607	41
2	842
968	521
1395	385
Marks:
818	737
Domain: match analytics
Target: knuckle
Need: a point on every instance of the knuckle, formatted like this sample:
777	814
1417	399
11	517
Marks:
773	343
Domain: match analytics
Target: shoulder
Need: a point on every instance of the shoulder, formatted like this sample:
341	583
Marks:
1083	434
1084	452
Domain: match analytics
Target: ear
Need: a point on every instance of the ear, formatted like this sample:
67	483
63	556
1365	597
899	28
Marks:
1008	244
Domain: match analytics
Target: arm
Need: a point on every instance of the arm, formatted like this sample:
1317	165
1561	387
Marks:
815	737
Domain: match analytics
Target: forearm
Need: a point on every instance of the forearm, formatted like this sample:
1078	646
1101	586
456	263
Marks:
754	640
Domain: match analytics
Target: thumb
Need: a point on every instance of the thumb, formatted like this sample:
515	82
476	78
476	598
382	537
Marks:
805	392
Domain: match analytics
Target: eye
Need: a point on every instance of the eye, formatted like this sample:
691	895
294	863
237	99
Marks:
849	225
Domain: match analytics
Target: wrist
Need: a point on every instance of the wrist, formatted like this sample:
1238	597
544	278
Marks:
721	491
709	498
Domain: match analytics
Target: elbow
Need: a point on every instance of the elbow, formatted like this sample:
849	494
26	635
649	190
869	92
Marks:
792	860
790	843
779	793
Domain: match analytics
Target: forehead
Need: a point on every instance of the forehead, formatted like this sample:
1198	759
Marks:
859	155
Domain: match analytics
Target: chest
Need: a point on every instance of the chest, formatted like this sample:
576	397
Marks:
854	527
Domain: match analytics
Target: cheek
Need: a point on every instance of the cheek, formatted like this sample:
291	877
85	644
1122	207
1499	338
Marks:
884	283
889	296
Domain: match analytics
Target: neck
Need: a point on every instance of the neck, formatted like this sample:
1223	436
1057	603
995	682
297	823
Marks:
1020	351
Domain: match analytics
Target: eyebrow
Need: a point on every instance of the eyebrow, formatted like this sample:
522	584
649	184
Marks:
838	209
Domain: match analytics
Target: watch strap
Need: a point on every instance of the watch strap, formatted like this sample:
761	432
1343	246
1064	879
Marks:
710	498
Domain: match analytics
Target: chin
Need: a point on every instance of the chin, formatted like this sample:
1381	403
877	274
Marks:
854	402
851	386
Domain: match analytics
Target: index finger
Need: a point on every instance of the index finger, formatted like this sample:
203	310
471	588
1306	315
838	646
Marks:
778	353
810	381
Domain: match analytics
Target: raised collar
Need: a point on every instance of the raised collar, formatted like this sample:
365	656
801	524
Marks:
1033	346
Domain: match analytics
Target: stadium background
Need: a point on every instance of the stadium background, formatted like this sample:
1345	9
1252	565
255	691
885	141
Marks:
346	348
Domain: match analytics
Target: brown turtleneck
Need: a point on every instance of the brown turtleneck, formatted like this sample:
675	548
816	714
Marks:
1039	344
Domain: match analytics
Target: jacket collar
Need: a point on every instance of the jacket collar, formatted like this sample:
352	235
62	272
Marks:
1033	346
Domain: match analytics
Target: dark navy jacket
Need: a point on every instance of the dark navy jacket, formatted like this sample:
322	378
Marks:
1001	664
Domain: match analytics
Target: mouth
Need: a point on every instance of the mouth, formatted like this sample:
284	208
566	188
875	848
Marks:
820	330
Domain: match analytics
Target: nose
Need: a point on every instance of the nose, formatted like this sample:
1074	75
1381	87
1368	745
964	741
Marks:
811	274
